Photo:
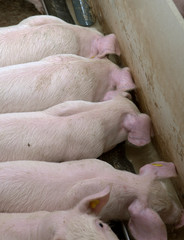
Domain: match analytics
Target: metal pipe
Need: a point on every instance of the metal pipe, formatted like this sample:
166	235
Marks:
83	12
125	232
59	9
44	7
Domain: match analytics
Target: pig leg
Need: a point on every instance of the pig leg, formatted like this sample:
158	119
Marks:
138	128
41	20
145	223
159	170
122	79
70	108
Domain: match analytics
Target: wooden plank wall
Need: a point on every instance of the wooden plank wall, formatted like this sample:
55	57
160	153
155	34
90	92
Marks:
151	37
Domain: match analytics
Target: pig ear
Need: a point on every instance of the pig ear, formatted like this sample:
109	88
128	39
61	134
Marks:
138	128
159	170
108	45
94	203
145	223
122	79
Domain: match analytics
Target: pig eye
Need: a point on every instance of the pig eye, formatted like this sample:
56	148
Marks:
101	225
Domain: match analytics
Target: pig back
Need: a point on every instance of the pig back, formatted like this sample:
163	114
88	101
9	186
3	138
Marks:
26	44
38	85
27	186
50	138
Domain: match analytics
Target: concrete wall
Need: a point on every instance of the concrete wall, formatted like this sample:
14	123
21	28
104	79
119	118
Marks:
151	36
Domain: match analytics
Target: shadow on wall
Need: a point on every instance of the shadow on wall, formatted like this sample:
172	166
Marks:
180	6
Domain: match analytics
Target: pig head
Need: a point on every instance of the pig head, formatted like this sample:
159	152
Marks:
149	213
81	222
137	125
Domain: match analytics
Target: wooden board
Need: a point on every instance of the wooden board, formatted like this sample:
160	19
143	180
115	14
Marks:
151	37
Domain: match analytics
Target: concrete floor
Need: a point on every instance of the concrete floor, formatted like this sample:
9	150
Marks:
12	12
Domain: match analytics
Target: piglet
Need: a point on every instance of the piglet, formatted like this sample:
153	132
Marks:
72	130
80	222
40	36
142	199
38	85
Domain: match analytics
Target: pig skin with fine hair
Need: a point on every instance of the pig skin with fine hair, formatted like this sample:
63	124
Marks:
38	85
79	222
72	130
142	199
41	36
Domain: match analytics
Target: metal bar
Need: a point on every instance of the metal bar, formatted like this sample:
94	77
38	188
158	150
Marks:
59	9
125	232
83	12
44	7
